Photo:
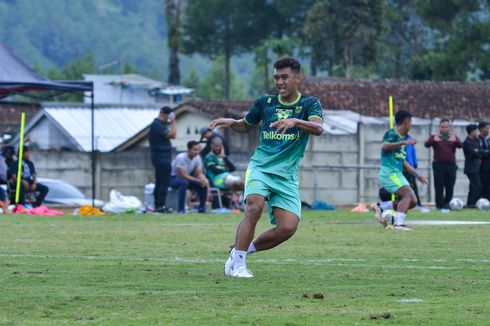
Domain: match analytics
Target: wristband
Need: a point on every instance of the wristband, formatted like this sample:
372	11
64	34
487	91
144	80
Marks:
415	174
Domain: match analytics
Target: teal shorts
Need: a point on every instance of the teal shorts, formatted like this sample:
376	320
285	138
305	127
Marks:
393	181
278	191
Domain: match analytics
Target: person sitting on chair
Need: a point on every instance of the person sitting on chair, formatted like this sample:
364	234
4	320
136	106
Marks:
28	179
218	168
187	173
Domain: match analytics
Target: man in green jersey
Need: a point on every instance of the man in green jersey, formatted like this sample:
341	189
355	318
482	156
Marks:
391	175
288	119
218	168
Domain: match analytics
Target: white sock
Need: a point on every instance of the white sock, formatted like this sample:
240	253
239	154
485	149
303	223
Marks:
251	248
239	259
400	218
384	205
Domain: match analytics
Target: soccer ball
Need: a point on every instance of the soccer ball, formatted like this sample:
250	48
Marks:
483	204
386	216
456	204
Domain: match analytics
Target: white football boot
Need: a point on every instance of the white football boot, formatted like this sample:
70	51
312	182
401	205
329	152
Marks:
241	272
229	263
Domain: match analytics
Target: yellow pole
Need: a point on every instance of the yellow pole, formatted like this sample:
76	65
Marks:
391	126
21	153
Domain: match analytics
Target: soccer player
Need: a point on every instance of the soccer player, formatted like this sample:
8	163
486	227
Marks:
391	172
288	119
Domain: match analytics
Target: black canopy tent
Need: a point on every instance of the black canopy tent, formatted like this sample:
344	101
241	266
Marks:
18	78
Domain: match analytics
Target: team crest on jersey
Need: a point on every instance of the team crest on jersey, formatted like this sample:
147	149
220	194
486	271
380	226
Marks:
269	100
283	114
298	109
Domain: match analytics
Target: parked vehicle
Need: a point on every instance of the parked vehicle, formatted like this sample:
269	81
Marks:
64	194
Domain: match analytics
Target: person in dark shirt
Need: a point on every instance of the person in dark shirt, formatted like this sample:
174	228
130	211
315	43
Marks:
473	154
444	144
207	136
162	129
484	142
29	179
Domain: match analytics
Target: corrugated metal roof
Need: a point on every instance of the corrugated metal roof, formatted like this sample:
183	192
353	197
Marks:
113	126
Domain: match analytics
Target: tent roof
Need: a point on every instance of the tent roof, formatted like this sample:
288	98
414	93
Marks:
114	124
17	77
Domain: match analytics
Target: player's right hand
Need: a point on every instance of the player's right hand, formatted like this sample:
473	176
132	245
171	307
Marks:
411	141
222	123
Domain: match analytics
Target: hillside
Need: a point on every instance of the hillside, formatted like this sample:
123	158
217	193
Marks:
52	33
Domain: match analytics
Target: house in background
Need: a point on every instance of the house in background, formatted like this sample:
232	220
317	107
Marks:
134	89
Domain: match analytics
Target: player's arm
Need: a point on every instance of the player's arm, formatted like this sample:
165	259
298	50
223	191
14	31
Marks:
388	147
313	126
237	125
407	167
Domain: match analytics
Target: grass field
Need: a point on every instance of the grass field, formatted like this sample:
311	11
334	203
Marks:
340	268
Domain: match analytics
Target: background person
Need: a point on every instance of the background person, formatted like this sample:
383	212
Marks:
187	173
472	162
412	160
207	136
162	129
391	176
484	143
444	145
29	179
218	168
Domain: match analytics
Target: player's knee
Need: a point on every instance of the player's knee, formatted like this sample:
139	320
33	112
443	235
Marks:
413	200
287	231
253	210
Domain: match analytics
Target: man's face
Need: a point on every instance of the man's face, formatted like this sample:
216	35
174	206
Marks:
408	123
194	151
484	131
444	128
286	82
26	155
208	134
474	134
216	147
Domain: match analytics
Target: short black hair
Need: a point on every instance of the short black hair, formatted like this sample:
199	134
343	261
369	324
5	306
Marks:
482	124
285	62
401	116
191	144
166	110
444	120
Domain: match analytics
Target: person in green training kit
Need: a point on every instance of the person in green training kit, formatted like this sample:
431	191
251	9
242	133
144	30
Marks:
391	176
288	118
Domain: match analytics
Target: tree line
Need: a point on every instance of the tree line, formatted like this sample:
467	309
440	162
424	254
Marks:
402	39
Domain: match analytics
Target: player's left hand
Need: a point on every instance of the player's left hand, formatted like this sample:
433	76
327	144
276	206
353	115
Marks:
423	179
283	125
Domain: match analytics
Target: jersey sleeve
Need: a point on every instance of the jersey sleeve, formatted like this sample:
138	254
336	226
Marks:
390	137
254	116
315	110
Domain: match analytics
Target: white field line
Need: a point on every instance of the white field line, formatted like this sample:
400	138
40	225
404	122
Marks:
342	262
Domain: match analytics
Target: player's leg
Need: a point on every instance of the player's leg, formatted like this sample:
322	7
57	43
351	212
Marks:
406	202
256	192
246	229
236	265
397	184
286	226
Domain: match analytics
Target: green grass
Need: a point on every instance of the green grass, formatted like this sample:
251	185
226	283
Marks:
340	268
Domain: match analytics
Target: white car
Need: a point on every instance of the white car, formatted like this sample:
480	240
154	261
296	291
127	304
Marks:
64	194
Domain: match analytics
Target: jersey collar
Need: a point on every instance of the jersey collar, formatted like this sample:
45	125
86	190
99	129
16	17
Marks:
289	103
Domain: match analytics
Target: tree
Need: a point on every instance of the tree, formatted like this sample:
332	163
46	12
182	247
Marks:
211	87
461	32
223	27
403	41
343	32
173	13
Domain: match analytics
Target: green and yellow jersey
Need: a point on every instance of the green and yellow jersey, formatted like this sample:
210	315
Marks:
278	153
392	161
